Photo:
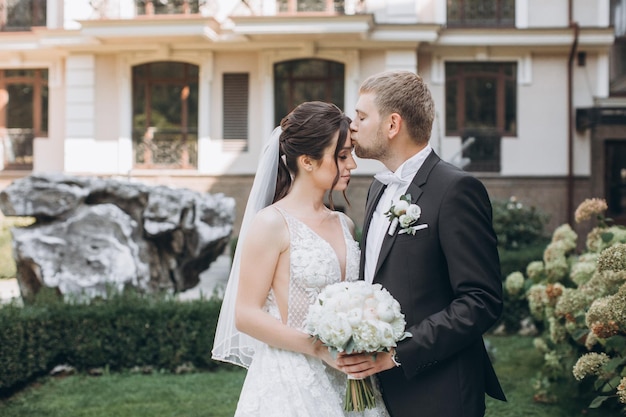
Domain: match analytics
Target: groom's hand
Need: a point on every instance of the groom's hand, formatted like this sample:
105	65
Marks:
362	365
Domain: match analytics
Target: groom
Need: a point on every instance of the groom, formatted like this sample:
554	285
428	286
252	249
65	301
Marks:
443	268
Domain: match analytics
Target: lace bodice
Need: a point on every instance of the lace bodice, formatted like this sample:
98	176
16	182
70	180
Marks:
282	383
314	265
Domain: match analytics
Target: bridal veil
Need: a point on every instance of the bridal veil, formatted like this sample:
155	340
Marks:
231	345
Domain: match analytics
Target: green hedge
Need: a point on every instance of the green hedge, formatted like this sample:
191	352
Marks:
512	260
124	332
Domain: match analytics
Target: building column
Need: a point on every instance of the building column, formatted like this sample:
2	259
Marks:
79	114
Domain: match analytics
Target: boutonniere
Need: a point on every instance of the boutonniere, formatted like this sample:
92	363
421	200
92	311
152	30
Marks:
405	214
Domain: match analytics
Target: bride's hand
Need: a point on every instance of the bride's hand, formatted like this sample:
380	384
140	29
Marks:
362	365
322	352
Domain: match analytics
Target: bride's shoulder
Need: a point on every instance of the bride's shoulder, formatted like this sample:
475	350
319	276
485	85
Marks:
270	217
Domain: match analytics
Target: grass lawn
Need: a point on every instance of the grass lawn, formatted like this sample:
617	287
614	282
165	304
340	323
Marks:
214	394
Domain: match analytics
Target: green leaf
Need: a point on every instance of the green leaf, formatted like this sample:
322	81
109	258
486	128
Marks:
606	237
613	364
617	343
579	334
614	382
597	402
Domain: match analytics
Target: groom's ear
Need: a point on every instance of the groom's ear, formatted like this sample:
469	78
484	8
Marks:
394	123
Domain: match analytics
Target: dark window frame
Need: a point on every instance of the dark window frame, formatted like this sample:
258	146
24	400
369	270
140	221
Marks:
21	137
150	142
461	14
333	80
36	15
462	78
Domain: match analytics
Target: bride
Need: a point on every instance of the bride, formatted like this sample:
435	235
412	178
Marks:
290	247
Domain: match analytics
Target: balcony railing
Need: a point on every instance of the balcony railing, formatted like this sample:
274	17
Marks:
481	13
17	145
311	6
166	149
21	15
153	7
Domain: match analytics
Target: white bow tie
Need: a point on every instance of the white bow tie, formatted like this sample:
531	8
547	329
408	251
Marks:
388	177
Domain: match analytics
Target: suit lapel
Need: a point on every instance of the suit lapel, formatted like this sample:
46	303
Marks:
416	192
374	196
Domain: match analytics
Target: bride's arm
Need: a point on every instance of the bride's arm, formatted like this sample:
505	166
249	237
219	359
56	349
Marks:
266	239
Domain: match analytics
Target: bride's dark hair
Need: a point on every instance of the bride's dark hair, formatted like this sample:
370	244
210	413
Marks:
309	130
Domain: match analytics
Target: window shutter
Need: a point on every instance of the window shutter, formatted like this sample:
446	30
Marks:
236	97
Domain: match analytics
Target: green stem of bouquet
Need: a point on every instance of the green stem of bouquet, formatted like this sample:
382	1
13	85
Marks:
359	395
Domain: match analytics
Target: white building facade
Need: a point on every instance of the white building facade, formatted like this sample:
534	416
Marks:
184	92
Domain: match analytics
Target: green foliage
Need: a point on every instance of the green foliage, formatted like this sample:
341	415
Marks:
578	300
7	263
512	260
516	225
126	331
215	394
126	394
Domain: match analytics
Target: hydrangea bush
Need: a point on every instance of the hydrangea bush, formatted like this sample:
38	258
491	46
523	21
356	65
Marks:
578	301
516	224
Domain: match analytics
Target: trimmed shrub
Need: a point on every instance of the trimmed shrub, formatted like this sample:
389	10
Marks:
517	225
123	332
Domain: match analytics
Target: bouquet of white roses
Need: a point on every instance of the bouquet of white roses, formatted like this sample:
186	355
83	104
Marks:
356	317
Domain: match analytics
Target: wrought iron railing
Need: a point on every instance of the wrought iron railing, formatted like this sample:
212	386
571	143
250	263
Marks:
166	149
153	7
311	6
481	13
17	147
22	15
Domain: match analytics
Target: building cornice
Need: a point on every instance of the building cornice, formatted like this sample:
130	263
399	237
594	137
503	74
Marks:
524	37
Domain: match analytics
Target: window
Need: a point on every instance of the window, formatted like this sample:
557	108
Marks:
165	115
152	7
481	13
481	102
235	96
618	52
615	177
303	80
24	115
319	6
21	15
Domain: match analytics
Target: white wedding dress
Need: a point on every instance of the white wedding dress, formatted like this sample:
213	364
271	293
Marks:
281	383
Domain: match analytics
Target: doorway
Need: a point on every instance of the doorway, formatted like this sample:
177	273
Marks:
615	180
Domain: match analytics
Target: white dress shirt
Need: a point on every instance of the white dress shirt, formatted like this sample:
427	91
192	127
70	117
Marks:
397	184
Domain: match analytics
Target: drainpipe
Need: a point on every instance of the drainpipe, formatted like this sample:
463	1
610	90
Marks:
570	115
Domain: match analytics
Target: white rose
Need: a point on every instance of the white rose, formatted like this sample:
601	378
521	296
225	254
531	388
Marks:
400	207
355	315
385	312
386	337
365	337
414	211
405	220
398	327
336	331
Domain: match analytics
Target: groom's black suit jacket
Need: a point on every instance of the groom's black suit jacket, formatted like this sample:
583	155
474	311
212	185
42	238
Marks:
448	282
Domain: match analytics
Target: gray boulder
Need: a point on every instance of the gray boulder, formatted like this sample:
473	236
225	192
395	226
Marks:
94	235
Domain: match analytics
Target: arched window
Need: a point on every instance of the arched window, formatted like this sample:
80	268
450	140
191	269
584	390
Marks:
165	115
23	114
303	80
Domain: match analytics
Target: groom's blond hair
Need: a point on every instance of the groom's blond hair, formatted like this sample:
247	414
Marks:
405	93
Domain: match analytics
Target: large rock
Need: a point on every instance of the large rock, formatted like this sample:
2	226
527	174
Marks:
95	235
